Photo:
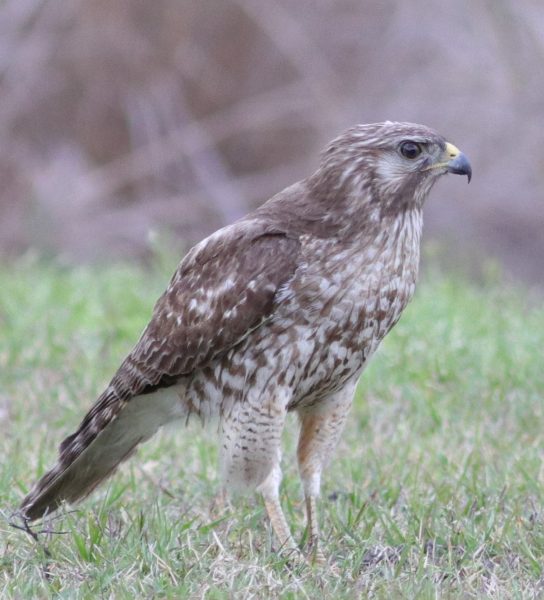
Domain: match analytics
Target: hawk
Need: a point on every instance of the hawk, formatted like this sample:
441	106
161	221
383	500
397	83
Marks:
276	313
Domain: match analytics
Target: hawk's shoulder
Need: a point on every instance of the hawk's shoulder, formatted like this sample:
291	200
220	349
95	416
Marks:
223	289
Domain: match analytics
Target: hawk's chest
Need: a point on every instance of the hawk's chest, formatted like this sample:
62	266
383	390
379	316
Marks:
363	281
348	298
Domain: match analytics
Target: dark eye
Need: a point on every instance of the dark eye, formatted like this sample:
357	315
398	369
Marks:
410	150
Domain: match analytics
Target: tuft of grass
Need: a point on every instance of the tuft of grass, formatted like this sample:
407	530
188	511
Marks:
436	488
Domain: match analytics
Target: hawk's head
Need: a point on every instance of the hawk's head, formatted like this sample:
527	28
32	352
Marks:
391	165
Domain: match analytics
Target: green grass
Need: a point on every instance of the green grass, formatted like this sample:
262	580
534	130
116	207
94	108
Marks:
436	489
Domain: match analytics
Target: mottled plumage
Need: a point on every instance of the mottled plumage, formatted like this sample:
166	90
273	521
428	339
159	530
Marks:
278	312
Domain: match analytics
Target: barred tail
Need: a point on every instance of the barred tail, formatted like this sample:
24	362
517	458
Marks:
107	436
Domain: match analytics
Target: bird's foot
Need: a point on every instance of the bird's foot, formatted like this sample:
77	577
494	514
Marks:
316	559
315	556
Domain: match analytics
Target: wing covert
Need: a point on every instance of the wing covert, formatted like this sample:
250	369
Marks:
224	289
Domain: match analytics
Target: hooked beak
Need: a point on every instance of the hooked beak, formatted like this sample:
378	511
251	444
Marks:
453	161
456	162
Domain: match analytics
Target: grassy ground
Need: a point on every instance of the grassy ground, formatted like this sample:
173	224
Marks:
436	489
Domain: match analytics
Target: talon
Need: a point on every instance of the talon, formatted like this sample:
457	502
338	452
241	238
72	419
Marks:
294	558
316	558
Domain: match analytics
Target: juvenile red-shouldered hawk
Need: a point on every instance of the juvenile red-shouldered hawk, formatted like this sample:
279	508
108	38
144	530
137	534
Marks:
277	312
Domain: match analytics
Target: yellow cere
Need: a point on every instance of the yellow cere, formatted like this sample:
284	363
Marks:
452	151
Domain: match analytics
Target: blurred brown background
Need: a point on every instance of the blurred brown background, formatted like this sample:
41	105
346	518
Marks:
123	117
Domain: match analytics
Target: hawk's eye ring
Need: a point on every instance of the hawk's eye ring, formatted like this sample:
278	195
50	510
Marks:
410	150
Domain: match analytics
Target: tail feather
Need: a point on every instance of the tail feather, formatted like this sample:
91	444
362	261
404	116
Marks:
107	436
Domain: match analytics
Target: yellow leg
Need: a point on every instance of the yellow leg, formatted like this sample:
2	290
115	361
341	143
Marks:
319	433
315	554
279	524
270	491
